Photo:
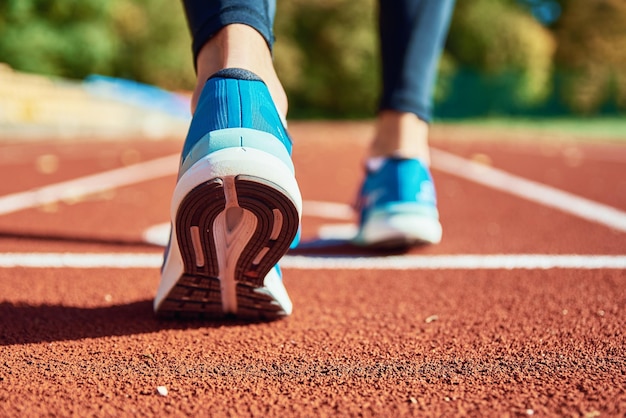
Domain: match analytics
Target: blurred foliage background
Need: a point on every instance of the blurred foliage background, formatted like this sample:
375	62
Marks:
503	57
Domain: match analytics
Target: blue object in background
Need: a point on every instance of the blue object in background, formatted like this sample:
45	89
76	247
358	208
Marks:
140	95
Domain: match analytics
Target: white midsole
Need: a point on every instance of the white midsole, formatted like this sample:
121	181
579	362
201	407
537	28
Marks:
225	164
402	227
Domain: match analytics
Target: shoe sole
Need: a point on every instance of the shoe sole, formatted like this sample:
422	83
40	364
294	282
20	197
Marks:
229	232
401	230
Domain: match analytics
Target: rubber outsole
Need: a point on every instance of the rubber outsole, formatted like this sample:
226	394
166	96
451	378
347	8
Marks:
230	231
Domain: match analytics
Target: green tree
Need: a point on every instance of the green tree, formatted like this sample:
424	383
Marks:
152	42
592	53
146	40
499	38
326	56
68	38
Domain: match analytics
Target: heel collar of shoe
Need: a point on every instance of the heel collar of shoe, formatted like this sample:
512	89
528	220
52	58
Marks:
238	74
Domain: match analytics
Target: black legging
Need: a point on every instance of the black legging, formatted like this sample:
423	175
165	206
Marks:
412	34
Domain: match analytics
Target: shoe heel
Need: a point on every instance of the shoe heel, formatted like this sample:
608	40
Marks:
230	232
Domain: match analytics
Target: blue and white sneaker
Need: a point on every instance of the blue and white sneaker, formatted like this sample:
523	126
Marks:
236	207
398	206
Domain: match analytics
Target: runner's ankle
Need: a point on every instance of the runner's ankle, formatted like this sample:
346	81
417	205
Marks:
400	134
239	46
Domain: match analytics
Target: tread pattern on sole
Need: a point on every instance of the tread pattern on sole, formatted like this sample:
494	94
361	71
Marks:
261	197
197	294
199	209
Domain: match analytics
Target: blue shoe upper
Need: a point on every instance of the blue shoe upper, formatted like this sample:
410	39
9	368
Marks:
399	186
236	109
237	99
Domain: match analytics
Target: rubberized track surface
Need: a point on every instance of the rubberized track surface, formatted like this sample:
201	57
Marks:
371	338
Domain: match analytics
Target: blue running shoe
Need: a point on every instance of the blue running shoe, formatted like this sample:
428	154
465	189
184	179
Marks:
398	206
236	207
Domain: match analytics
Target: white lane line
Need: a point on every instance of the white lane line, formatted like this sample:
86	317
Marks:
80	260
529	190
328	210
158	234
408	262
91	184
340	231
464	262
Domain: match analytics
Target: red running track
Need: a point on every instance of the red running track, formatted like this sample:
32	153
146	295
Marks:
368	339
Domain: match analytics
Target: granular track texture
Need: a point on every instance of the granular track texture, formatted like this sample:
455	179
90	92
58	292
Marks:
427	343
489	343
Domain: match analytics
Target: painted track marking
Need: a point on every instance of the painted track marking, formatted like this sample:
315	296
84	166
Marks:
328	210
409	262
530	190
82	186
